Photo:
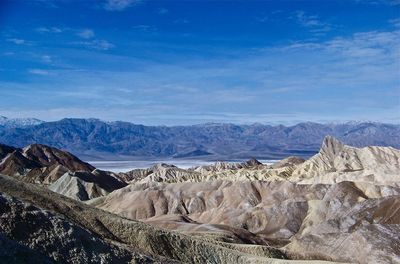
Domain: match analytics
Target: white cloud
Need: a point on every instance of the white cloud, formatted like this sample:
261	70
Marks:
343	78
118	5
17	41
86	33
144	28
46	58
38	72
102	44
395	22
97	44
312	22
49	30
272	16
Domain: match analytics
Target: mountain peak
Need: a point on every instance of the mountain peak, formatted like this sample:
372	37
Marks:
331	145
252	163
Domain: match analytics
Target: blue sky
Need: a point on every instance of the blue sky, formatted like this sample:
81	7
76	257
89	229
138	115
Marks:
189	62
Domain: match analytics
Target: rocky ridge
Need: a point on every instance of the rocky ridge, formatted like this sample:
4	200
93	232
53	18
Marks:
60	170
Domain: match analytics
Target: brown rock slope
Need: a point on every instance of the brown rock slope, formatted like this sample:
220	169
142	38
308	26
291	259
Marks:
34	220
40	164
48	156
59	170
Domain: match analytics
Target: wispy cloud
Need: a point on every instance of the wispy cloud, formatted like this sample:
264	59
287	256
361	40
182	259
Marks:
39	72
364	46
118	5
395	22
46	58
17	41
146	28
311	22
86	33
49	30
354	77
271	16
98	44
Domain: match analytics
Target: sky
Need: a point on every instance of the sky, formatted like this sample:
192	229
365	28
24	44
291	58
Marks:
190	62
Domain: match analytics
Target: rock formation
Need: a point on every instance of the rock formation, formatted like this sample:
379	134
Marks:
60	170
72	232
304	220
40	163
342	205
85	185
337	162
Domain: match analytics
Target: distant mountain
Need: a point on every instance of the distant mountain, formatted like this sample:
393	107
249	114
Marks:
95	138
19	122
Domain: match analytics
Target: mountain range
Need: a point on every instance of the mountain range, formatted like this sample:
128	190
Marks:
96	139
19	122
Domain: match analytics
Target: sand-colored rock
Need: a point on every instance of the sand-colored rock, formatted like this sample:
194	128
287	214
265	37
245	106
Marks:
289	161
338	226
143	241
86	185
337	162
274	213
334	163
342	204
221	166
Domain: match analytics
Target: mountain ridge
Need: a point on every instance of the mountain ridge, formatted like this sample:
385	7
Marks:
19	122
93	137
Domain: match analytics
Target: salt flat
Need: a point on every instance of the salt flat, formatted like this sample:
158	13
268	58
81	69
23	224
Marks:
128	165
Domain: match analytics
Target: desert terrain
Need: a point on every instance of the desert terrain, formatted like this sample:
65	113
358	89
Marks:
341	205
